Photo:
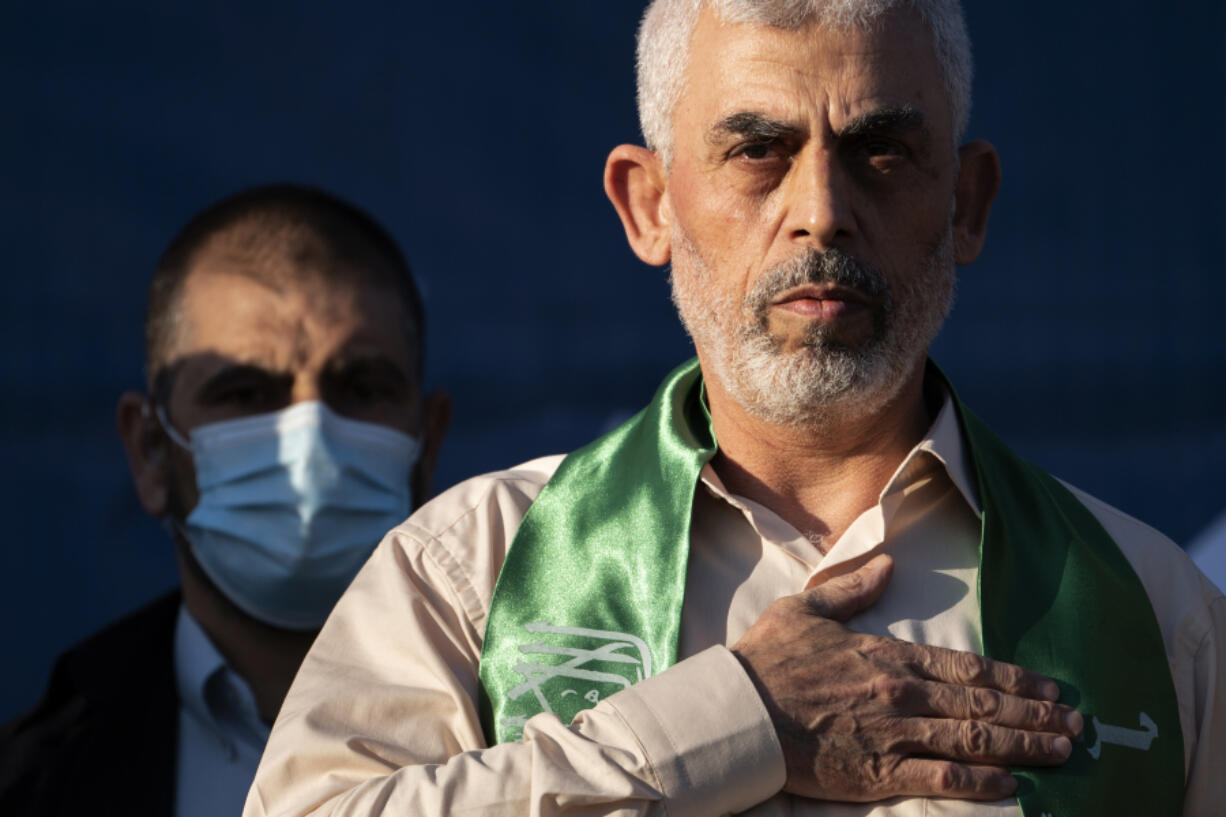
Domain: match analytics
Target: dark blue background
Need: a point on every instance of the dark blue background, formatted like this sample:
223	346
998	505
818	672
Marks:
1089	332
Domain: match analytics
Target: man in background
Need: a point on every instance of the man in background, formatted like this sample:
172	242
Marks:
284	431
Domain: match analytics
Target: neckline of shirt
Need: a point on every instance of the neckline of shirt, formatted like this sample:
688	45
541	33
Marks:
941	452
211	692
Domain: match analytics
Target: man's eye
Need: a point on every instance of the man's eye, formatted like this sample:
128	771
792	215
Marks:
364	392
882	147
242	396
368	390
756	151
881	153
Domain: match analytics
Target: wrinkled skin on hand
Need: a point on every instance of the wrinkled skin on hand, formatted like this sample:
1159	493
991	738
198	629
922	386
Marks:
864	718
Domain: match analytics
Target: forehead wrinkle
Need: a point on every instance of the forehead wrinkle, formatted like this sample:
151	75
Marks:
300	346
781	103
869	41
248	337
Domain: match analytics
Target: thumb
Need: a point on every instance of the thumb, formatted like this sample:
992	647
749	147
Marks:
843	596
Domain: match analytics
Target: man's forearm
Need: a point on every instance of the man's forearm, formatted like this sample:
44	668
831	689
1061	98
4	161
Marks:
693	740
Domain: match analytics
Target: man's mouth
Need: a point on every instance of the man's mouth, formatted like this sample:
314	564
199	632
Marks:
825	302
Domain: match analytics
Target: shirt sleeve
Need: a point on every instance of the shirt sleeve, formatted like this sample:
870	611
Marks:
382	717
1205	794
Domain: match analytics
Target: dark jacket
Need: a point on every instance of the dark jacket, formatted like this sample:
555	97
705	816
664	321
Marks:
103	738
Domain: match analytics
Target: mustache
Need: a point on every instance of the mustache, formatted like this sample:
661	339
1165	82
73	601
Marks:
833	266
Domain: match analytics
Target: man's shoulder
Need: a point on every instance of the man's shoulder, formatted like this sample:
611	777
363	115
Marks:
121	656
1126	530
470	525
512	490
1143	545
1179	593
105	662
110	701
116	664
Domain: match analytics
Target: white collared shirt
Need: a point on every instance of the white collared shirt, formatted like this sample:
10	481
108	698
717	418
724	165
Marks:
221	735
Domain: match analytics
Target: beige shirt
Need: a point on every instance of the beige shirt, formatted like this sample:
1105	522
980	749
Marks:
382	718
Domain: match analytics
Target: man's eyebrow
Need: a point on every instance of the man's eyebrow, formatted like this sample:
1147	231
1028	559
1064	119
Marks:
370	363
752	125
238	373
888	119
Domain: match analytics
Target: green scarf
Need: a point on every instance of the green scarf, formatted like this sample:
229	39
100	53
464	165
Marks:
589	602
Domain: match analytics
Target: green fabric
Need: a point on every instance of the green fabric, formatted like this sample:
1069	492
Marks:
589	601
1057	596
603	548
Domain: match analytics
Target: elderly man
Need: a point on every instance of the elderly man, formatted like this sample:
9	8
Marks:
905	599
285	429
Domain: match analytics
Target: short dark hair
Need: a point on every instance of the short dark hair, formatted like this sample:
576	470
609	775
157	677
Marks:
301	224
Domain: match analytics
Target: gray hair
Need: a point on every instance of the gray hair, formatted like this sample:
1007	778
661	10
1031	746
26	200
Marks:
667	26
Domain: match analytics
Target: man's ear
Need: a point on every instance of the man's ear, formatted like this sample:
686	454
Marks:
977	185
436	421
634	180
145	445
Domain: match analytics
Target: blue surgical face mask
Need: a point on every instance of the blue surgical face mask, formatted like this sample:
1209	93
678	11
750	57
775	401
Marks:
291	505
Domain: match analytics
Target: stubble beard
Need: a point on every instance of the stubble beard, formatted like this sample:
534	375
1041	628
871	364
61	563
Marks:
824	380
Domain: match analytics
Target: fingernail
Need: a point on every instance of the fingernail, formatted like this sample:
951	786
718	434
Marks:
1010	784
1062	747
1074	722
1051	691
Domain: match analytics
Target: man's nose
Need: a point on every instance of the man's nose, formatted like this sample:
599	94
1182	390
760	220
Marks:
820	213
306	387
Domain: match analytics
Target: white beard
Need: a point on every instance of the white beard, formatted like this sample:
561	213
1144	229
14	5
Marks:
823	379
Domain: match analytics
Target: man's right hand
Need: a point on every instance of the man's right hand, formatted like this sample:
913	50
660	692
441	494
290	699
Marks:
864	718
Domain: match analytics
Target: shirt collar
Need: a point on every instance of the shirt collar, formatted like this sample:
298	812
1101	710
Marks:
196	660
212	692
943	442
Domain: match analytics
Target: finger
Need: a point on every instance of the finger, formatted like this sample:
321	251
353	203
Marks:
979	742
921	777
843	596
969	669
1000	708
